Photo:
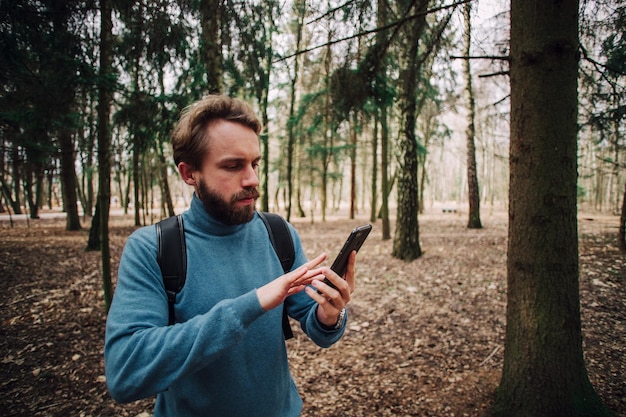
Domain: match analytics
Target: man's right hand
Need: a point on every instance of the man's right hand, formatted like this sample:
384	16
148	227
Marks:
271	295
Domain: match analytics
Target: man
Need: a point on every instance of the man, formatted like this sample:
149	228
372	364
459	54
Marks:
225	356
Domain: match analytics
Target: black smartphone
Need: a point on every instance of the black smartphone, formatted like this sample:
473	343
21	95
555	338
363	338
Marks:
353	243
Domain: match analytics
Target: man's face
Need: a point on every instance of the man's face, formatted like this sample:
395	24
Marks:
228	179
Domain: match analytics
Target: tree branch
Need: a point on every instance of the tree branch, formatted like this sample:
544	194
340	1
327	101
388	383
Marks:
371	31
492	57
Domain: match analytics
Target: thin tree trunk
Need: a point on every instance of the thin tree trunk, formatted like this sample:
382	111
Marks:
384	167
472	176
353	155
16	164
622	223
300	9
374	185
104	147
68	177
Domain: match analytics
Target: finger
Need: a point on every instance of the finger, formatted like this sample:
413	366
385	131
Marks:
320	292
295	289
338	282
316	261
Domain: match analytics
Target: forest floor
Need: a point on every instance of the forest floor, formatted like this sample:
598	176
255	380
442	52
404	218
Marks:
425	338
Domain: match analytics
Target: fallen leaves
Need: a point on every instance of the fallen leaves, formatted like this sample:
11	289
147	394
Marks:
424	338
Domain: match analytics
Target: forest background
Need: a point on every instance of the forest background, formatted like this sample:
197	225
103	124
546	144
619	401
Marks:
385	108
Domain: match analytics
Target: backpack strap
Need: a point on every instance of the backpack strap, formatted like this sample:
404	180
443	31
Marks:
172	258
281	239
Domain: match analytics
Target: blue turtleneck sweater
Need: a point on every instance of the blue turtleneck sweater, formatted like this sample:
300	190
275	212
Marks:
225	356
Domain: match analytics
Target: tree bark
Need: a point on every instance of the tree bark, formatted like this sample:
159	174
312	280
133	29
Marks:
472	176
210	45
300	7
622	223
544	370
104	146
406	244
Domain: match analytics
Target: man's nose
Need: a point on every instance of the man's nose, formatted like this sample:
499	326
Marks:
250	178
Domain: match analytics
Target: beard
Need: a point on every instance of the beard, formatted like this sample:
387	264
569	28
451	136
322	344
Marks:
227	212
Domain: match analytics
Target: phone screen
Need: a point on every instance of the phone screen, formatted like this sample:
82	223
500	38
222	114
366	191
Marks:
353	243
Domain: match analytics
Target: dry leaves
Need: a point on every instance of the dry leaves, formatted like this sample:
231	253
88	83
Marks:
425	338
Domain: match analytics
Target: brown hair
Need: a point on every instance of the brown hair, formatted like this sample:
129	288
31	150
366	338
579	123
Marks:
189	139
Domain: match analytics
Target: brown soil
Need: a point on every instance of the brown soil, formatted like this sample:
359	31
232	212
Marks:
425	338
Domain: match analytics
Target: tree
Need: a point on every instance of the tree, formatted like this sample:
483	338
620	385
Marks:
472	176
406	244
414	53
300	11
105	93
210	45
603	111
254	28
544	371
621	234
61	68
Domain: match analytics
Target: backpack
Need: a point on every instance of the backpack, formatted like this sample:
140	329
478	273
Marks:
172	255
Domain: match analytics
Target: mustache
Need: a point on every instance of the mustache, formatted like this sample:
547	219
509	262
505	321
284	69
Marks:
251	193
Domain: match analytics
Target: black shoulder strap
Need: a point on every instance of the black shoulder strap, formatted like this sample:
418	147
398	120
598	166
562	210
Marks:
172	257
280	236
281	239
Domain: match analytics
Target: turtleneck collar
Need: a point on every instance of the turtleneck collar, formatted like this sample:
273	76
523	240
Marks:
202	220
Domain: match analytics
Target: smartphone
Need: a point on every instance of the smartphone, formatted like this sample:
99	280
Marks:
353	243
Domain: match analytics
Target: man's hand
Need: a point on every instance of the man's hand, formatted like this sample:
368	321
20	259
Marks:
331	301
274	293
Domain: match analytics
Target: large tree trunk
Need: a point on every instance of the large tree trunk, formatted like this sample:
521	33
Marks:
472	176
544	371
406	244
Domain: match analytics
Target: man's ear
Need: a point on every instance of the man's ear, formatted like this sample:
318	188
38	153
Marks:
187	173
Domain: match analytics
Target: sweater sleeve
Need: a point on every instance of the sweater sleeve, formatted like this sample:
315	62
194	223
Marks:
304	309
143	355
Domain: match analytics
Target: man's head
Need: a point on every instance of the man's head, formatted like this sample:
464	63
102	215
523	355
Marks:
216	150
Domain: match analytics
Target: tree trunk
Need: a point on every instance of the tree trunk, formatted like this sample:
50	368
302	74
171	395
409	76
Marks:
63	91
68	178
384	168
353	155
472	176
622	224
544	370
104	146
93	239
374	184
136	182
210	45
300	10
166	195
16	164
406	244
